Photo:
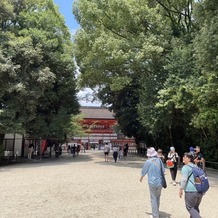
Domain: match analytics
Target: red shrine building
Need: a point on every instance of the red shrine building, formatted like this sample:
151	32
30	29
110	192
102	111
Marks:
99	124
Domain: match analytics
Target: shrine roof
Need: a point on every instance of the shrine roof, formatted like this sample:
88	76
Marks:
96	112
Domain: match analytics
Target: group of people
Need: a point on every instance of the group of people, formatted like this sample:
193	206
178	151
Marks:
154	168
74	150
173	159
57	149
118	152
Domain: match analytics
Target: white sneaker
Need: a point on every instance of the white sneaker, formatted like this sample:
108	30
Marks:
174	183
151	216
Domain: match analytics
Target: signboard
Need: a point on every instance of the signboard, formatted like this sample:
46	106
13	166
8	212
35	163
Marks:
99	126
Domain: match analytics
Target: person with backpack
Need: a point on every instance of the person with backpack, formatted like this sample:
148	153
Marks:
192	196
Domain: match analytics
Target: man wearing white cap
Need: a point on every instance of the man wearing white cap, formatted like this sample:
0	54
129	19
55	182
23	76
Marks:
153	167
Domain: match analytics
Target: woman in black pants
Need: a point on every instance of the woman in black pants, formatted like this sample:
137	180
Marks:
173	156
115	153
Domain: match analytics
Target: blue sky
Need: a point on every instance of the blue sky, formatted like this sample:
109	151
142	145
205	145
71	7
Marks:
65	8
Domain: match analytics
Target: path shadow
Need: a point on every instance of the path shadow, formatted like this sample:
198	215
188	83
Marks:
64	159
164	215
132	161
129	164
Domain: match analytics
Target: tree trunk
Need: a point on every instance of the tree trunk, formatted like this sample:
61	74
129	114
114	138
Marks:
2	136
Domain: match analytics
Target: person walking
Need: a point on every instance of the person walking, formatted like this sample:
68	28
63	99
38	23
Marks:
73	150
173	157
77	149
160	155
120	155
152	168
106	152
192	196
192	150
115	153
30	150
199	159
125	151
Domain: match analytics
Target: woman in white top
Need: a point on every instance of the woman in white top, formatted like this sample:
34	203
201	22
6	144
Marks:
106	152
120	155
173	156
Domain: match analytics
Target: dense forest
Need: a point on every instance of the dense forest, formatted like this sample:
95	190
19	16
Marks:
154	63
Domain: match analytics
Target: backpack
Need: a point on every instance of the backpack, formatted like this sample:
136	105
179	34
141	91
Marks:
200	178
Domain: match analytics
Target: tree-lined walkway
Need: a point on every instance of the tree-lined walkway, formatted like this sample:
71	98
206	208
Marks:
88	187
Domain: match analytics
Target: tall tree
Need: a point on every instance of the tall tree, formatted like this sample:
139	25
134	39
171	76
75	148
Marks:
37	69
115	49
206	50
154	63
166	97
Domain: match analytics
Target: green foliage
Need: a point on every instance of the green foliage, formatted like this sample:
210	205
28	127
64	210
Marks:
206	52
38	92
154	63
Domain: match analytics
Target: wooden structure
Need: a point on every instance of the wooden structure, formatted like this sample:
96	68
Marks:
99	123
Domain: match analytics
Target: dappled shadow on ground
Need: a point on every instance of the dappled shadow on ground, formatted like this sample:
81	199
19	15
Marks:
164	215
132	161
123	163
96	156
64	159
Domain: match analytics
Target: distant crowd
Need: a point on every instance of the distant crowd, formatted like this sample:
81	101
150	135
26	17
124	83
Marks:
118	152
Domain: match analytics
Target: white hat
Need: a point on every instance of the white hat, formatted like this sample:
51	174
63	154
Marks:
151	152
172	149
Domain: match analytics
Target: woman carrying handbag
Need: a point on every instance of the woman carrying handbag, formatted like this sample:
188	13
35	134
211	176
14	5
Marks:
172	164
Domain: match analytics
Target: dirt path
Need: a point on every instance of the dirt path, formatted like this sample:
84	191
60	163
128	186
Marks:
88	187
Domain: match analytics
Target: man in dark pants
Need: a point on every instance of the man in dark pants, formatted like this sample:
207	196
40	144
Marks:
125	151
199	160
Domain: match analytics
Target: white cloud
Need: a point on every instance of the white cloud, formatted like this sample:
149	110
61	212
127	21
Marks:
86	98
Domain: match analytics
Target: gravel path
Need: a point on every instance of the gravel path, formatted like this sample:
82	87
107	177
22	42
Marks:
89	187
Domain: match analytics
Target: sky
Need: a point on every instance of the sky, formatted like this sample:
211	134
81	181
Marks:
65	8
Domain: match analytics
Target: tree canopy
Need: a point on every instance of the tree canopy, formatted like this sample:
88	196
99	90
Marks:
154	63
37	69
